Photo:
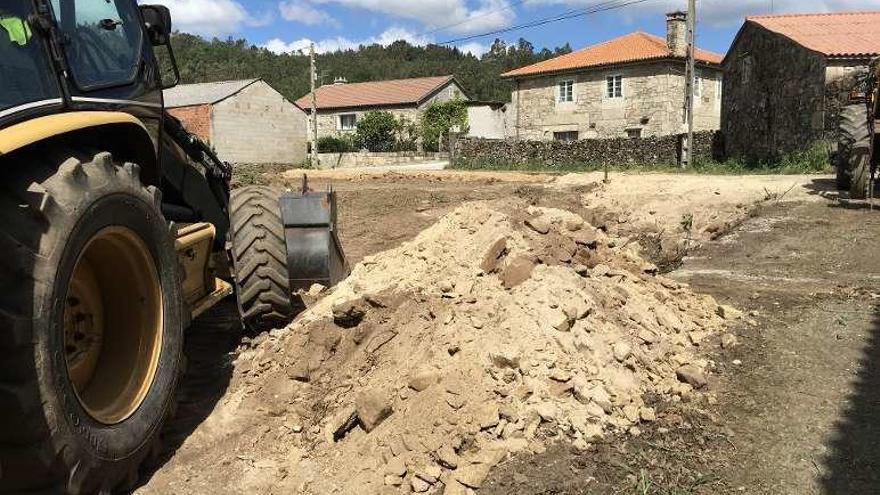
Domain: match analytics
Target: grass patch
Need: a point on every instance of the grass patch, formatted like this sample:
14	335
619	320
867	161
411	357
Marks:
644	485
813	160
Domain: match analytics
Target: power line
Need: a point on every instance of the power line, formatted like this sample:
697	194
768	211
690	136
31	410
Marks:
571	14
471	19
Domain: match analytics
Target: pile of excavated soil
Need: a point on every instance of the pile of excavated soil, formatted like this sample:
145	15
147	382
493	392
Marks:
674	213
500	329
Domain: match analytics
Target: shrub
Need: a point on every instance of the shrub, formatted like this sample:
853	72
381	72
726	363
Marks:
439	118
407	135
334	144
376	131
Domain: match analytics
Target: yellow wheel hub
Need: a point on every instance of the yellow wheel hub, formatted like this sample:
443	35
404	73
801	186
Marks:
113	322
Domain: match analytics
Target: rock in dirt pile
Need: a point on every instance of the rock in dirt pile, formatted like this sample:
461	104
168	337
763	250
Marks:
500	329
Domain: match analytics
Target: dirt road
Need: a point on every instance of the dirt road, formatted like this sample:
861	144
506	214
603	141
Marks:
791	410
803	405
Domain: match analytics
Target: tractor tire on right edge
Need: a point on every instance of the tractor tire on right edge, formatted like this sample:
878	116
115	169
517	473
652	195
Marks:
260	259
854	145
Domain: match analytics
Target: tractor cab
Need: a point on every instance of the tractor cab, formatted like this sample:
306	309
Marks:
64	55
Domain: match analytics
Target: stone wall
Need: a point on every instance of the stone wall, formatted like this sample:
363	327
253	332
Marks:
369	159
652	103
196	119
773	101
619	152
838	68
258	125
328	122
450	92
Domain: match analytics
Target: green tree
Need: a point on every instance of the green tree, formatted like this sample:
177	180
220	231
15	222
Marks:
377	131
203	60
439	118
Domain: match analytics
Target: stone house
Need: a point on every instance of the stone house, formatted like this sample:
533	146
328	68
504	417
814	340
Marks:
341	104
631	86
786	79
244	121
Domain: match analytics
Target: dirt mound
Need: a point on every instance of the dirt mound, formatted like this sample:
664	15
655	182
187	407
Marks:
497	330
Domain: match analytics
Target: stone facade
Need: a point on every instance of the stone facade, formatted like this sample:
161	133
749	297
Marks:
652	103
779	97
617	152
329	123
373	159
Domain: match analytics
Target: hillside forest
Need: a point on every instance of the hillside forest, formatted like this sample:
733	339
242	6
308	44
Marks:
201	60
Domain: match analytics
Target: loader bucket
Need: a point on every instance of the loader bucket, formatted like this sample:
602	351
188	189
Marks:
314	253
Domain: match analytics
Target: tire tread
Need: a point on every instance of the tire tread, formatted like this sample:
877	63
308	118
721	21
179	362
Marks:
258	246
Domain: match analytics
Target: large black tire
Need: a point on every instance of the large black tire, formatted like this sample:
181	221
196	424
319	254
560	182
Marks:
260	259
853	151
58	208
842	177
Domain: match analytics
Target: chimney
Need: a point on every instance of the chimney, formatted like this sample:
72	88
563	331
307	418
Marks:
676	33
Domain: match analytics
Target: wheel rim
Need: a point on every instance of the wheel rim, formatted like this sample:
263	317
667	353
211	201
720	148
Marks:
113	320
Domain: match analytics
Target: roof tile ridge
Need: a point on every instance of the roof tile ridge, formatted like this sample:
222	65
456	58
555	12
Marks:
812	14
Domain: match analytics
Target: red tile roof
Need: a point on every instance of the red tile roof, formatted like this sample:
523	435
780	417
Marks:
400	92
840	34
633	47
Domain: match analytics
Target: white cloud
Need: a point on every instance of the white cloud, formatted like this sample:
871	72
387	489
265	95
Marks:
475	49
210	17
277	45
305	13
492	14
434	14
385	38
393	34
725	12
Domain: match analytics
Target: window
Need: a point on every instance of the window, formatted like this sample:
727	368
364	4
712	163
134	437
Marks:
698	84
25	74
105	40
746	69
719	88
614	87
565	136
633	133
348	122
565	93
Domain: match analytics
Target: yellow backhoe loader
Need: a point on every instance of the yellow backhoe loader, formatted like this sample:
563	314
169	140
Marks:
117	227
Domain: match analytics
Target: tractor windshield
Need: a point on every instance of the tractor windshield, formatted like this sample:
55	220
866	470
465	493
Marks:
105	40
25	74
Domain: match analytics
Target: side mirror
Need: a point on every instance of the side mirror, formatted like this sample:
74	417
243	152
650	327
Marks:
157	19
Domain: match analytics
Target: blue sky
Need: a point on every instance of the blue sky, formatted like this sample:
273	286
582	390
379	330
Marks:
290	25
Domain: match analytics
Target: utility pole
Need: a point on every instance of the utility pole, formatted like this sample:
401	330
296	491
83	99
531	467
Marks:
314	116
690	80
